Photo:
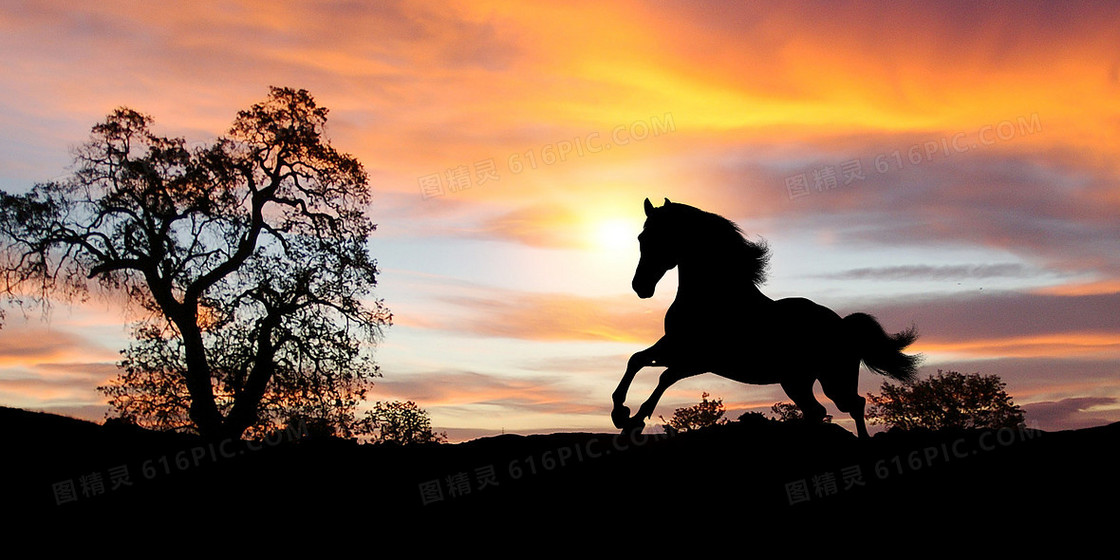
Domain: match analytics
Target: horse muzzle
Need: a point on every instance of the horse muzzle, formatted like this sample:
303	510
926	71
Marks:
643	289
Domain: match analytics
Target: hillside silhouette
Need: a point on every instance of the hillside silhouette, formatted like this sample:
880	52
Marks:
753	473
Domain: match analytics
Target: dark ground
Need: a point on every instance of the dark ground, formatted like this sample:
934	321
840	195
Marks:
749	481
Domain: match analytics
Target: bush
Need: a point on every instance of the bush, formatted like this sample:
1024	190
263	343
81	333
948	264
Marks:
948	400
698	416
399	422
789	412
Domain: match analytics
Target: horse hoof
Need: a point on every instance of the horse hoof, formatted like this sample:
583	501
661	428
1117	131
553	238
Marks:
633	427
620	416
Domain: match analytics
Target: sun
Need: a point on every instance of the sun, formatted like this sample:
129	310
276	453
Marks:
616	235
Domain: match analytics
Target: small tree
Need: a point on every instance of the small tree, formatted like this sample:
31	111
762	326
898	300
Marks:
947	400
789	412
399	422
690	418
754	417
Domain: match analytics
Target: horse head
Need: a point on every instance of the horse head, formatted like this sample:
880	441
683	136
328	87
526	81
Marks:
658	247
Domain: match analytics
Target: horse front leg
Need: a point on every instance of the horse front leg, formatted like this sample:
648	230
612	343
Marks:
620	414
668	377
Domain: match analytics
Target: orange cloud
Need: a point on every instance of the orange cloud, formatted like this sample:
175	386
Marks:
538	226
1036	346
1100	287
602	227
557	317
451	390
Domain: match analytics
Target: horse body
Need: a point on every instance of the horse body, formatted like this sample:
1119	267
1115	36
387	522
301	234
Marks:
720	322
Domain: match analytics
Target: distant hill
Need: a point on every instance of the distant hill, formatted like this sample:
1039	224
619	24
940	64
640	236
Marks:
758	475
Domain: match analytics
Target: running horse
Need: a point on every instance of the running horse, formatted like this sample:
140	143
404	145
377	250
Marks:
720	322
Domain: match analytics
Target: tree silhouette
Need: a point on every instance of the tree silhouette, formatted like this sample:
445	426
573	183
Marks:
246	259
399	422
786	412
700	415
789	412
948	399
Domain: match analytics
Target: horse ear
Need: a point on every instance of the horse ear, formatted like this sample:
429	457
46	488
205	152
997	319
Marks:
649	207
666	202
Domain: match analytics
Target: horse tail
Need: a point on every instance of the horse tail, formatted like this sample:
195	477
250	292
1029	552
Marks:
882	352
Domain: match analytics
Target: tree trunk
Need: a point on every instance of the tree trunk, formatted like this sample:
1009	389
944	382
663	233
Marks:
245	407
204	410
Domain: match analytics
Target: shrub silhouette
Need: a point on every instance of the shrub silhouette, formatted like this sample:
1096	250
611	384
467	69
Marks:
399	422
789	412
690	418
947	400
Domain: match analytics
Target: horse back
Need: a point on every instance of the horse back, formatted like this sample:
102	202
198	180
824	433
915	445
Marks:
803	308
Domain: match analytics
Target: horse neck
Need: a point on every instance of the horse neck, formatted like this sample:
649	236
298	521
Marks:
715	278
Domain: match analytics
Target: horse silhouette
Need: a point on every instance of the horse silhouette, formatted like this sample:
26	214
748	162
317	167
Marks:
721	323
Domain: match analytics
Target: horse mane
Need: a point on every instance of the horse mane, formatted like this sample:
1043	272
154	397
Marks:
751	258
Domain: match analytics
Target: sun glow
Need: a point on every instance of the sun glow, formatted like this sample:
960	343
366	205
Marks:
615	235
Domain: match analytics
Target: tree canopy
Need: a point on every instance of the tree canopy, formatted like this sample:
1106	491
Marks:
948	399
399	422
246	259
789	412
700	415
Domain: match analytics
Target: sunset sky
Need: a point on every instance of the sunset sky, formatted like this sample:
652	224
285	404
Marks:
943	164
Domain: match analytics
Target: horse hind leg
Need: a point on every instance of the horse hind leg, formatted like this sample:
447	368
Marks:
801	392
843	390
